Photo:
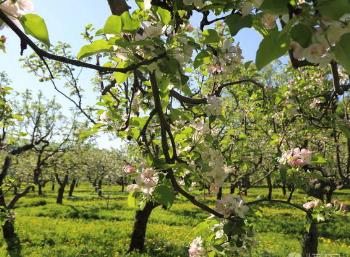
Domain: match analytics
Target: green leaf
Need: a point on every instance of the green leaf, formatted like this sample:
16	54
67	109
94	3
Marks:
236	22
120	77
132	201
333	8
95	47
129	24
35	26
272	47
165	15
342	51
164	195
301	34
113	25
210	36
202	58
275	7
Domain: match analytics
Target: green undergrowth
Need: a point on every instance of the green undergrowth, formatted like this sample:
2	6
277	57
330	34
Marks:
87	225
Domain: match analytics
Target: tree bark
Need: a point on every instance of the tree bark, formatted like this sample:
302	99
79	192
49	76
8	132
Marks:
8	230
139	232
284	188
40	189
72	187
269	185
232	188
99	187
60	194
118	6
53	187
310	240
219	194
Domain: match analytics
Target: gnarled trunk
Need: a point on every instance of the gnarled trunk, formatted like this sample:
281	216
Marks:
62	184
269	185
72	187
310	240
40	189
219	194
139	232
8	230
232	188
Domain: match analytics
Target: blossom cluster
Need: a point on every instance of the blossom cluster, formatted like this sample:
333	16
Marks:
296	157
214	106
146	181
218	171
196	248
15	9
232	206
228	55
337	205
325	32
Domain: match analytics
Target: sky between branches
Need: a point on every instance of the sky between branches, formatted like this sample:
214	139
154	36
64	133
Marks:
65	20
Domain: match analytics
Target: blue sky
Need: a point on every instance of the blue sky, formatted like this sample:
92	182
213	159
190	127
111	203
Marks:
65	20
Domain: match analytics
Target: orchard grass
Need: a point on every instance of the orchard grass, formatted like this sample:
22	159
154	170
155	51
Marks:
87	225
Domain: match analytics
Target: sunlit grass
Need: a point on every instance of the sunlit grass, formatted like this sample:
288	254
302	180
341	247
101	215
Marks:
87	225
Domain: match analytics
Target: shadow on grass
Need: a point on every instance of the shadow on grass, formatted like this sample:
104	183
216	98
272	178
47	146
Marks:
158	248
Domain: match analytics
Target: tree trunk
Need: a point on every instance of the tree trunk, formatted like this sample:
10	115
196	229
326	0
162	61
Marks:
63	184
8	230
269	185
219	194
123	184
232	188
72	187
284	188
99	189
53	187
310	240
40	189
139	232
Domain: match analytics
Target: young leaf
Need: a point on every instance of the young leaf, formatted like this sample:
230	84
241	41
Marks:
164	195
95	47
165	15
236	22
275	7
129	24
210	36
35	26
272	47
342	51
113	25
132	201
301	34
120	77
333	9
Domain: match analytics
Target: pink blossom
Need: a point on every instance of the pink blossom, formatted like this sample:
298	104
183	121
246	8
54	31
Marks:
132	187
128	169
14	10
312	204
196	248
216	68
297	157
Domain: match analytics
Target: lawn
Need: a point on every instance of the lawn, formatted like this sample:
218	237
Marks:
87	225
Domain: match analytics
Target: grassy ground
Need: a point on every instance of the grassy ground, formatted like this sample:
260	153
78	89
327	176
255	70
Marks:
86	226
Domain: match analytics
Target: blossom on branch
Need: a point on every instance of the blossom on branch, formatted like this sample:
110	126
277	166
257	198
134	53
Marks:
196	248
296	157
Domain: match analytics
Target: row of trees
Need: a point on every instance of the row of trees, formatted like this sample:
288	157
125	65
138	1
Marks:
39	145
199	114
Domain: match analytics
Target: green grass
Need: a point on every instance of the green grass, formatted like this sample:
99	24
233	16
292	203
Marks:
85	226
